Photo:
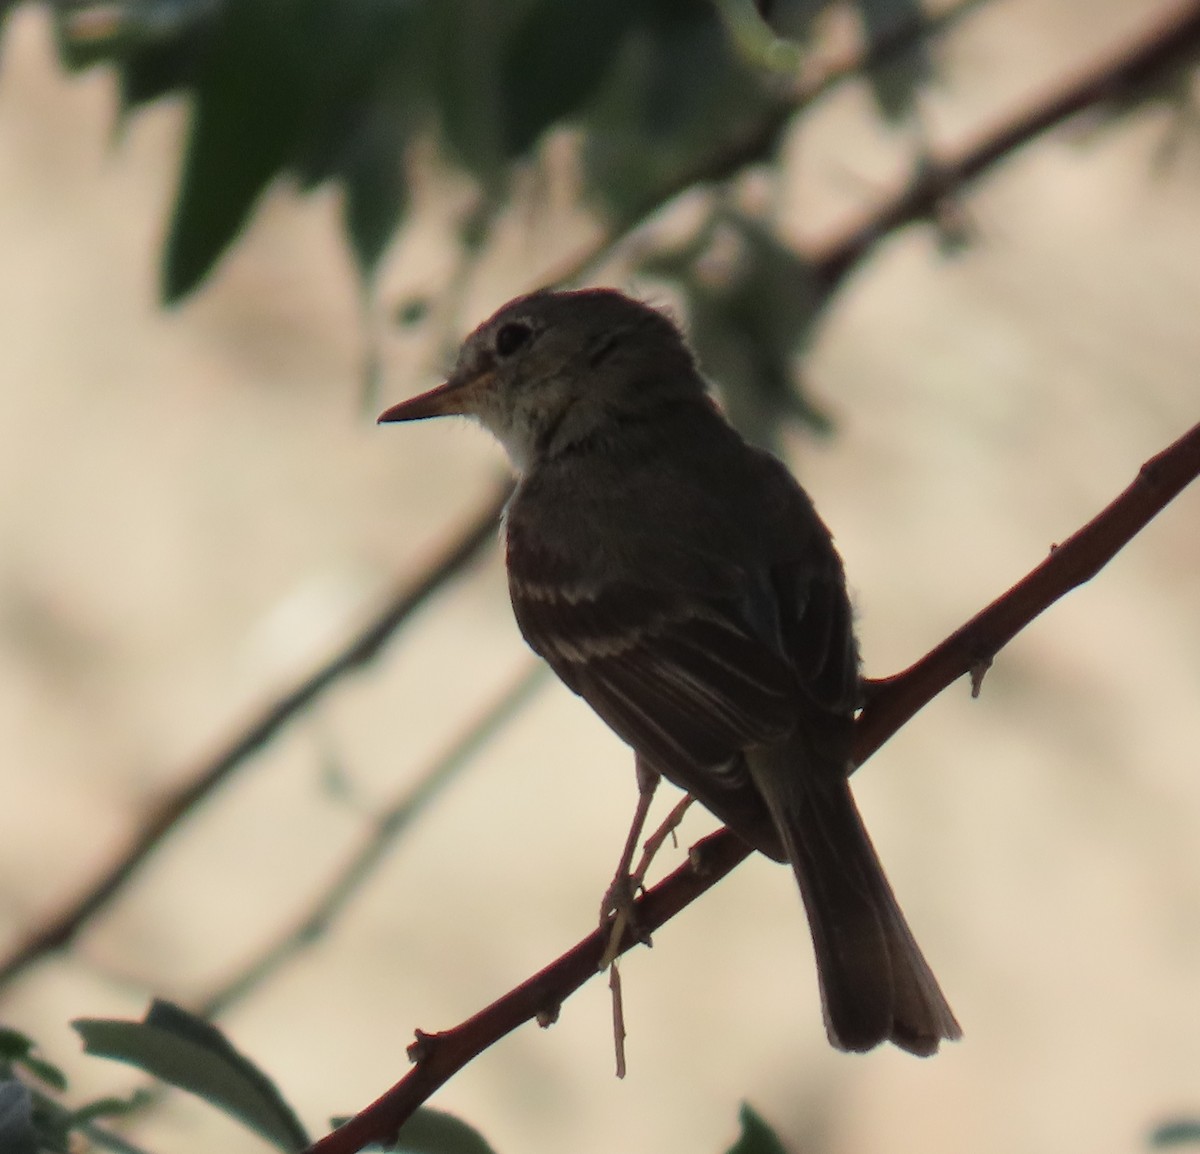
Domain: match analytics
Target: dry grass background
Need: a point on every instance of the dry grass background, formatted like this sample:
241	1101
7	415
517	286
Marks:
195	507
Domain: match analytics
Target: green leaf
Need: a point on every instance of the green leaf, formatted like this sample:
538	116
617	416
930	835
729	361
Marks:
185	1051
365	104
434	1132
896	83
109	1108
376	190
251	106
756	1137
1179	1132
792	19
156	45
13	1044
678	96
363	52
752	311
18	1050
462	46
555	58
45	1072
163	66
5	6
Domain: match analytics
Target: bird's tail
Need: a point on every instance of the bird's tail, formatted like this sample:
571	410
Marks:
875	983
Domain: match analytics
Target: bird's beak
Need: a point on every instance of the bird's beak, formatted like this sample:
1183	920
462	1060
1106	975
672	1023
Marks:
457	396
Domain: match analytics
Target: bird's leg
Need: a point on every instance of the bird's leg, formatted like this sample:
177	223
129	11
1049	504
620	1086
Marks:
616	910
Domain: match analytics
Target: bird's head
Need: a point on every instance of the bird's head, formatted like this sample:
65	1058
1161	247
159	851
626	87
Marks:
554	368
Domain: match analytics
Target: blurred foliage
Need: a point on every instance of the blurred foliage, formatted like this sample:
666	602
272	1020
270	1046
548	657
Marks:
753	302
1178	1132
435	1132
660	94
896	82
756	1136
33	1118
183	1051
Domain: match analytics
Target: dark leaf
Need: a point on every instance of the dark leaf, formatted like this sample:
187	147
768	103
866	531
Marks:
164	66
45	1072
5	7
411	311
363	50
13	1044
753	303
557	55
792	19
176	1047
678	94
1179	1132
156	45
252	103
364	106
376	191
434	1132
462	48
18	1050
109	1108
756	1137
896	83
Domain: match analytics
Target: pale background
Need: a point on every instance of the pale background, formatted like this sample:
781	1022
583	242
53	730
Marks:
195	508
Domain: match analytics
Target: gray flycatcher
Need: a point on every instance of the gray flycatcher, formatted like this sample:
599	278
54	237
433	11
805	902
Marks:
681	582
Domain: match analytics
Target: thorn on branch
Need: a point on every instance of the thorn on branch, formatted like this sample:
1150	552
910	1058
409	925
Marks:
978	671
421	1048
697	859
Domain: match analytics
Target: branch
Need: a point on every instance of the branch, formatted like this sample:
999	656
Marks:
386	827
438	1057
1174	37
759	142
1077	560
60	929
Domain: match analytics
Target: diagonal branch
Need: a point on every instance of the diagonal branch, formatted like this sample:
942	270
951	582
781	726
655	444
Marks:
60	929
1171	40
386	828
438	1057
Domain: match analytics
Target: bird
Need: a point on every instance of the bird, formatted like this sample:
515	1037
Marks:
681	582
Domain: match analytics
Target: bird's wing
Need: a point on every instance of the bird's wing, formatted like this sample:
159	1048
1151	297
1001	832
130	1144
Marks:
681	679
816	632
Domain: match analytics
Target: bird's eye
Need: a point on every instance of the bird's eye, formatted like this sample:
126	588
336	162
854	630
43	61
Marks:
511	337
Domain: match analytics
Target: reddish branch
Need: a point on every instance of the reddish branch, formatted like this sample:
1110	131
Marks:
1171	42
438	1057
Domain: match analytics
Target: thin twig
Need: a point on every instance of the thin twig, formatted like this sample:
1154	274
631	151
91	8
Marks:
387	827
1173	37
759	142
438	1057
61	928
618	1016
